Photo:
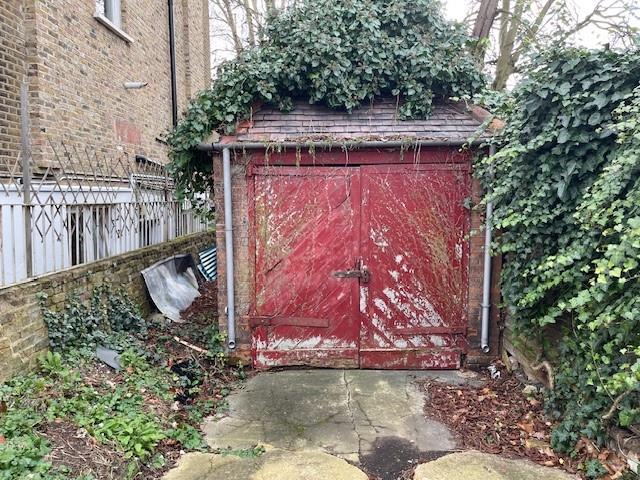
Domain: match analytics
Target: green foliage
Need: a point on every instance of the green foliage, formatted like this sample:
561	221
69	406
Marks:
594	469
214	340
252	452
132	410
136	434
339	53
22	455
112	413
51	362
566	188
81	326
188	436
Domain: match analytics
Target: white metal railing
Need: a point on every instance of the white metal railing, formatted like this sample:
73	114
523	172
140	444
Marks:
83	207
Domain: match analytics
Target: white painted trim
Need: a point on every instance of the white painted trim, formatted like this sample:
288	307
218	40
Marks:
111	26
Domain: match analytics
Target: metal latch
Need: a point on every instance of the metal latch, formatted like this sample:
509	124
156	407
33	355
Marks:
360	271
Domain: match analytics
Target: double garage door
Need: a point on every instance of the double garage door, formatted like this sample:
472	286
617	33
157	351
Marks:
360	266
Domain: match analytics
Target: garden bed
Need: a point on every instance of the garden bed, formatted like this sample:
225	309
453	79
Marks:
506	417
77	418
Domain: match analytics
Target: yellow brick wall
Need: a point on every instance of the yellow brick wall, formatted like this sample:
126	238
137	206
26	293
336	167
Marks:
77	67
12	70
23	335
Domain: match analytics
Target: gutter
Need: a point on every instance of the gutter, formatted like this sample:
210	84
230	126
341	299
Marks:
211	147
172	60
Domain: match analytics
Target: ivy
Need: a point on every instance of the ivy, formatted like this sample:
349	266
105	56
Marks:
566	188
108	318
338	53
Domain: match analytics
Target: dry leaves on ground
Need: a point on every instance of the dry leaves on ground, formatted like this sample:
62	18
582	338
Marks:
499	418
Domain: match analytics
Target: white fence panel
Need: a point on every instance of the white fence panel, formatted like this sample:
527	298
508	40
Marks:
84	208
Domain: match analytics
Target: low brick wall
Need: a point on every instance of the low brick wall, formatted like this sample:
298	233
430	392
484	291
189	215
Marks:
23	335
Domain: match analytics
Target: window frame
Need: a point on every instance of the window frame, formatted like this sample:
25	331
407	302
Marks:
115	22
116	12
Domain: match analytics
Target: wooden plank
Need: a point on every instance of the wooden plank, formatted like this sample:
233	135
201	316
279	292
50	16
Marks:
288	321
461	330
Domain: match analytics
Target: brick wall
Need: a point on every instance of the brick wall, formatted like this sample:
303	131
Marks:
12	70
77	67
475	356
244	287
23	334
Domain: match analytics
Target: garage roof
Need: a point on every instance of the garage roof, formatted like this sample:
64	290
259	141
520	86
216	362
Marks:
376	121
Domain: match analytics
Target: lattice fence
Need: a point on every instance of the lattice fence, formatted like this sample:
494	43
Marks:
79	206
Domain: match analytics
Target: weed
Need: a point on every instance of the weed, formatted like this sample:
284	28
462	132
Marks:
594	469
188	436
136	434
85	326
128	411
252	452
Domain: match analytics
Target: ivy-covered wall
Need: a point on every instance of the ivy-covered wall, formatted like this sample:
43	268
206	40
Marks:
566	187
23	334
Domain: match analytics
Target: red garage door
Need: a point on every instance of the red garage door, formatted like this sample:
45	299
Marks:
360	266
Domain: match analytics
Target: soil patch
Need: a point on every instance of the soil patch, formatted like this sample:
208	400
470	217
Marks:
76	451
206	305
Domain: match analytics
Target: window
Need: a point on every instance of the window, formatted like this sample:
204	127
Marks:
110	9
88	232
76	236
109	13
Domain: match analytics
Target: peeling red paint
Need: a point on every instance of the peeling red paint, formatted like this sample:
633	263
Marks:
413	240
406	224
306	228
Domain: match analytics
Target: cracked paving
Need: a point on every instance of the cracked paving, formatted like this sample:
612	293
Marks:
337	425
347	413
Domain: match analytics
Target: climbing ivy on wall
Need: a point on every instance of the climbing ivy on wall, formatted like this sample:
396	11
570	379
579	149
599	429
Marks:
339	53
566	187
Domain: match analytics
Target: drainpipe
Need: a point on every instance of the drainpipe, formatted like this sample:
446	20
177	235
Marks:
172	58
228	243
486	277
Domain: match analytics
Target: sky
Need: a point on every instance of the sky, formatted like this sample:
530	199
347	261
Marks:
590	37
457	10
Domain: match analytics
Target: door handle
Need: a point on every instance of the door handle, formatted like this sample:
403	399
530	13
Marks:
360	271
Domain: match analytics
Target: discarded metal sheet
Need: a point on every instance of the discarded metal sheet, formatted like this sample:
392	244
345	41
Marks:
109	357
172	284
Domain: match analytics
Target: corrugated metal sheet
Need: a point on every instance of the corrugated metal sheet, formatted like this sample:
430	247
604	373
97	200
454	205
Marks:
208	265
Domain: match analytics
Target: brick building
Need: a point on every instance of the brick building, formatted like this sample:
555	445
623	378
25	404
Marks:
100	82
75	58
84	195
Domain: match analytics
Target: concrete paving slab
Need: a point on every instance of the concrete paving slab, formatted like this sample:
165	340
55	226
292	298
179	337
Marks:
272	465
358	415
481	466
